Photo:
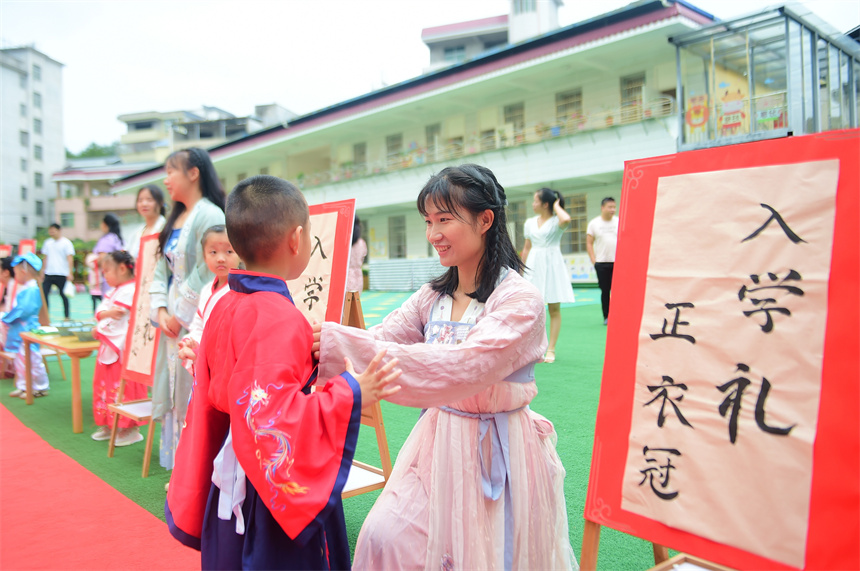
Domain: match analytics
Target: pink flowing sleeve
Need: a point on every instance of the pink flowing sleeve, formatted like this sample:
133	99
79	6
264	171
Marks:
510	335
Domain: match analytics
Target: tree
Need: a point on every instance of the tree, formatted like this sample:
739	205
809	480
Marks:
93	151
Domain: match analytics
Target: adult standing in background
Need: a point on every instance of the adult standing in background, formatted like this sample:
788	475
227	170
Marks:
180	274
357	253
111	241
600	240
59	264
150	206
545	267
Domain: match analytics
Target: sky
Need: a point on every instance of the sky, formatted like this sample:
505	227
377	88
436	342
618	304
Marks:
129	56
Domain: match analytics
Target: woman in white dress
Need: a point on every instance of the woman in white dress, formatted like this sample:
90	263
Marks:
545	267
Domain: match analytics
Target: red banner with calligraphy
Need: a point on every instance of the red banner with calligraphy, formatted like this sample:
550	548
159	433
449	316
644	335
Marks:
729	419
319	292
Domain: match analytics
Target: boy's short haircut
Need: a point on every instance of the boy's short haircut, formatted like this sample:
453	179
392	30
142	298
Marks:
217	229
260	212
605	200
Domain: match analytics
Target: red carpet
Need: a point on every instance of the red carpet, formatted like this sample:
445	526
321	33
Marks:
55	514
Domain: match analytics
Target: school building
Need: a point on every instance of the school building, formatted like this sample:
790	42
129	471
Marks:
562	109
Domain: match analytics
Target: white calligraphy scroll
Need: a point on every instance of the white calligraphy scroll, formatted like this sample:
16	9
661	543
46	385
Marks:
142	339
733	325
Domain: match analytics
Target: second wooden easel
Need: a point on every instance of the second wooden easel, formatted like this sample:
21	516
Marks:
363	477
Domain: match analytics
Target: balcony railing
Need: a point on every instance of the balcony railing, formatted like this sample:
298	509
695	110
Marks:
503	137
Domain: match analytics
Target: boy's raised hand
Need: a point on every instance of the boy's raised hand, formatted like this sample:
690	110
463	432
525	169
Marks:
316	327
188	349
375	380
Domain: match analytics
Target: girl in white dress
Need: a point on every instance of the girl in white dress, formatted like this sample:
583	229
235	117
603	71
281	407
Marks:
545	267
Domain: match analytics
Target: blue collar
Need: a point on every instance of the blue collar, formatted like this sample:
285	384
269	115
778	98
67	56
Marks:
243	281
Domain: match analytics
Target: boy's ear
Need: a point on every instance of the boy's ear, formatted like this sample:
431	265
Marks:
295	239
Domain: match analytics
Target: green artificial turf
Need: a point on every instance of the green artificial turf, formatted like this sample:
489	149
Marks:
569	390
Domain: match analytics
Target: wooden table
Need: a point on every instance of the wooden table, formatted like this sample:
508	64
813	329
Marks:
75	350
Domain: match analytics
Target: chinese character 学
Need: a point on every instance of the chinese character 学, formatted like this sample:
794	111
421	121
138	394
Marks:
312	290
761	300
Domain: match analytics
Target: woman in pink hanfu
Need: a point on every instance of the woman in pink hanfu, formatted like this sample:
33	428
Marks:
478	484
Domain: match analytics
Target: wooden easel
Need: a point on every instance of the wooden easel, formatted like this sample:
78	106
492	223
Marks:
591	542
363	477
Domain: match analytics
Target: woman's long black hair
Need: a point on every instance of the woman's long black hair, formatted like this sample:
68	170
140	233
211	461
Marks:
475	189
356	230
210	186
548	196
112	222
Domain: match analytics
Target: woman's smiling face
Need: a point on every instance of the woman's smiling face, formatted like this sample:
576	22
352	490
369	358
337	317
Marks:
457	241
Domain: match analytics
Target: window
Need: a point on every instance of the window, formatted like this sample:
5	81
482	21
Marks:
23	193
25	138
454	147
568	106
67	219
631	97
488	140
37	100
23	110
37	126
40	208
94	220
37	179
455	54
359	155
140	126
434	135
573	239
393	147
396	237
516	114
37	72
516	214
524	6
24	165
24	221
37	152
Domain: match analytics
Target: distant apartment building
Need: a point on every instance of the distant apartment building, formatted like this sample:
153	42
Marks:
564	109
152	136
453	44
31	140
83	196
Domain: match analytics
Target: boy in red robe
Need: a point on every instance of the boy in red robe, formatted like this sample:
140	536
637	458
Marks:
262	460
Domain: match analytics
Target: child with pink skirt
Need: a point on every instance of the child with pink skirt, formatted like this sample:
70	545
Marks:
113	314
478	483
